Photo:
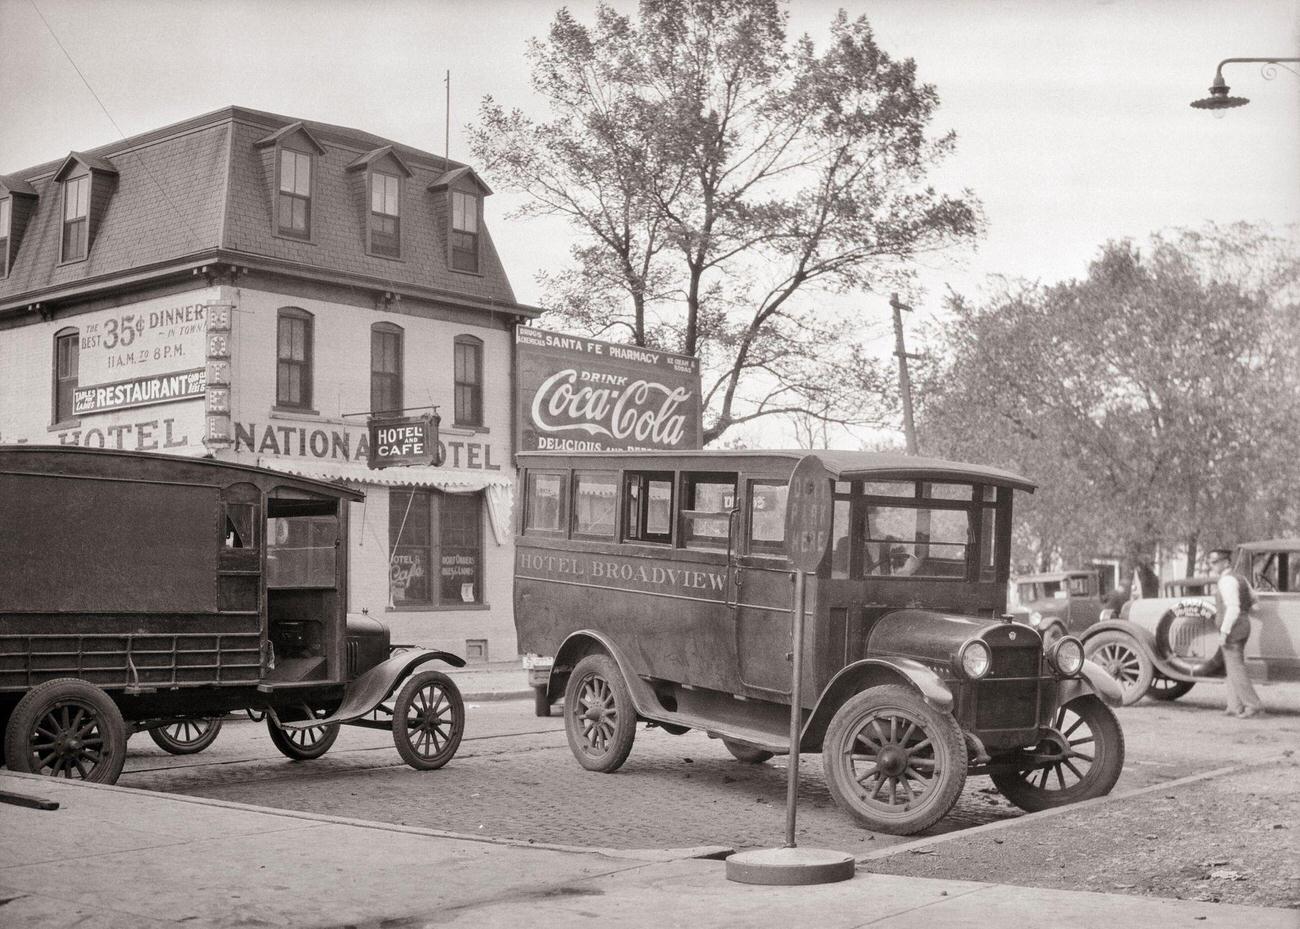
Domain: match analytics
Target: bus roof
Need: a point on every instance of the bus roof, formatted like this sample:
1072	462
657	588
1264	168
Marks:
842	465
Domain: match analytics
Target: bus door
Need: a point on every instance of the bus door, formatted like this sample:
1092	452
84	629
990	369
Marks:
761	592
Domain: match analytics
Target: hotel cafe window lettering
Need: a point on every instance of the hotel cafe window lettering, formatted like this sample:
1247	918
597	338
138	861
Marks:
436	547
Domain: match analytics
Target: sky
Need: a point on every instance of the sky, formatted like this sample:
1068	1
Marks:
1072	117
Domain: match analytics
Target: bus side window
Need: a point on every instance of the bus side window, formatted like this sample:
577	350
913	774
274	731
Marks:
767	501
545	509
648	506
707	500
594	496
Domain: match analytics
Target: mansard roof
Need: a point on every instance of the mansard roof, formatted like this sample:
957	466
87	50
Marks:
204	191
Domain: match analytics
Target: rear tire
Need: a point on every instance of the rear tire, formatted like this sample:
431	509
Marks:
67	728
186	736
1167	689
598	716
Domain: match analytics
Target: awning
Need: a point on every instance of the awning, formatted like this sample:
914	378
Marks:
498	486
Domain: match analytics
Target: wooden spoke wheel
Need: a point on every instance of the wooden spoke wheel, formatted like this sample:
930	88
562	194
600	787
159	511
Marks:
1166	688
1125	660
1080	759
428	720
67	728
893	762
302	744
599	719
186	736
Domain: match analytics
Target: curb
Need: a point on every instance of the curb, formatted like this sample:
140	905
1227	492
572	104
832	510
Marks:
489	696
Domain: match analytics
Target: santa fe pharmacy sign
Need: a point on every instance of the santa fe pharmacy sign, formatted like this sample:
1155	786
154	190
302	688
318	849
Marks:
578	394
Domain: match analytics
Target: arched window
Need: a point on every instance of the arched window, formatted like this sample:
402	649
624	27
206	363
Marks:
385	368
293	369
469	381
66	355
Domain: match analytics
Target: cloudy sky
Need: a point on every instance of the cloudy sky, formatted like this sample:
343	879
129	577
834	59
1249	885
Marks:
1072	117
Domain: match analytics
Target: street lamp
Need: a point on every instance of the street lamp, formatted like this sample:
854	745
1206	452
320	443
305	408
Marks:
1219	99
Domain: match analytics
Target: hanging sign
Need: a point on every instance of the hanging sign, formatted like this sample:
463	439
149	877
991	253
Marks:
406	440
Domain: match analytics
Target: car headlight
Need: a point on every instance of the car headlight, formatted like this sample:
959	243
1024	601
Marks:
975	659
1035	618
1067	656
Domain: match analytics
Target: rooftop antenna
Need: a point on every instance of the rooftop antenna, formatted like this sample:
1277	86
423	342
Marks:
446	129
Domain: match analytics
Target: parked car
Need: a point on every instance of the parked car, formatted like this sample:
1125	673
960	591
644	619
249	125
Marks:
150	592
1162	646
1059	603
657	588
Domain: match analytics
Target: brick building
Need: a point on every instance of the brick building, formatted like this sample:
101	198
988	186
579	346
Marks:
240	284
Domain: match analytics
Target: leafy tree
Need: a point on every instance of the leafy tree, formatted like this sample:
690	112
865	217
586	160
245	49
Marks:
719	178
1155	400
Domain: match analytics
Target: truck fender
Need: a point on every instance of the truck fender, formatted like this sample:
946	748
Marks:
376	685
1093	679
870	672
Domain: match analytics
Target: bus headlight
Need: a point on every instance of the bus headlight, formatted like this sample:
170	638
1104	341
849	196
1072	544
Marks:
1067	656
975	659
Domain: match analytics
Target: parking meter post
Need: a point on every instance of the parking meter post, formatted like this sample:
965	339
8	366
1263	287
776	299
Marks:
796	716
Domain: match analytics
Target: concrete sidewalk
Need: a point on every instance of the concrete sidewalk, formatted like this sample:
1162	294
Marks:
114	857
496	680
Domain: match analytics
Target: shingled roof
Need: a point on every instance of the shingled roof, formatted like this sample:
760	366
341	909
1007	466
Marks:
202	191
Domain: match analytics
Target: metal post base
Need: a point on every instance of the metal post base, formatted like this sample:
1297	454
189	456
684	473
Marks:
790	866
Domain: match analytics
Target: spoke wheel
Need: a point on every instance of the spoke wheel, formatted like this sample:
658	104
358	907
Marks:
892	761
1166	688
746	753
428	720
1125	660
1081	758
302	744
598	716
67	728
186	736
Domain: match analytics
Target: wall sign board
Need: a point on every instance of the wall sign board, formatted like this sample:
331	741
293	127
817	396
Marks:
406	440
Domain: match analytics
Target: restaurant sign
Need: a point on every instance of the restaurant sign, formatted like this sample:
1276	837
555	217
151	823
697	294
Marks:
406	440
579	394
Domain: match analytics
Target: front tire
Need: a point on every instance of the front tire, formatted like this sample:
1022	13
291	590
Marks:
1124	659
428	720
598	716
186	736
893	762
67	728
1085	753
302	744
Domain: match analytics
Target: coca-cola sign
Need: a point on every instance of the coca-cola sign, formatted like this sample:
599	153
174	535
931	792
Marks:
578	394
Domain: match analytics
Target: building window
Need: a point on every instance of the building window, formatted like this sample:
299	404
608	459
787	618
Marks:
76	218
295	193
469	381
385	224
65	374
6	218
428	530
293	359
385	368
464	231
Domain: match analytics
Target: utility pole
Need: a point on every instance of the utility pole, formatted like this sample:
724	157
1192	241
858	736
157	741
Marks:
904	382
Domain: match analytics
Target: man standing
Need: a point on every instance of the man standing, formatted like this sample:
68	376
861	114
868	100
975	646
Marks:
1234	600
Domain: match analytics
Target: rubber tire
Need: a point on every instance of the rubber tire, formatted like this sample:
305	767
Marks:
1171	690
42	699
947	741
746	753
599	672
1138	668
402	733
280	739
193	746
1108	742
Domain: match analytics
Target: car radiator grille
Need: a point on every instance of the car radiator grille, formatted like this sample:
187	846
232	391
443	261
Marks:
1007	704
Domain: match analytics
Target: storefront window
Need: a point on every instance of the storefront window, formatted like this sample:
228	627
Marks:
434	532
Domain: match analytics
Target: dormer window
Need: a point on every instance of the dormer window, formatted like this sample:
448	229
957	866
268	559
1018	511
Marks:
76	218
385	211
464	231
295	193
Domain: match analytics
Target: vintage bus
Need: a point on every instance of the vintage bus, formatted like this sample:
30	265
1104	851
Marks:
656	587
142	591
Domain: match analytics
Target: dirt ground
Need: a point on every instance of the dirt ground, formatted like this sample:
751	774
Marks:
1228	839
